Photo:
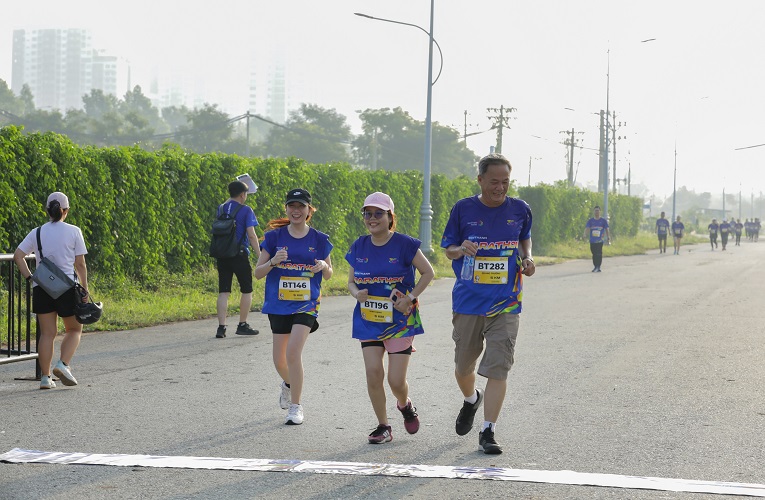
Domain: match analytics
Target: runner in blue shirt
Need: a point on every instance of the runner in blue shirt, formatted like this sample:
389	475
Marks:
387	317
294	259
713	228
488	239
595	229
725	228
738	227
662	228
678	231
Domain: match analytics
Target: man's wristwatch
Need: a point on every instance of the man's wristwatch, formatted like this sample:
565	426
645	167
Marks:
271	262
412	298
29	278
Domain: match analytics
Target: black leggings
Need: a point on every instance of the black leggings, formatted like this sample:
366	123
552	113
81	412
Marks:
597	253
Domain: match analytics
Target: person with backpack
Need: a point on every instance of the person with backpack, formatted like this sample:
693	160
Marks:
233	236
294	259
63	245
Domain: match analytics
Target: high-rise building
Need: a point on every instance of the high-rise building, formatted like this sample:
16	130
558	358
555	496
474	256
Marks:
56	64
268	90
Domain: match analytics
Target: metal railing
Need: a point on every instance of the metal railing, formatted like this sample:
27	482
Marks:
16	343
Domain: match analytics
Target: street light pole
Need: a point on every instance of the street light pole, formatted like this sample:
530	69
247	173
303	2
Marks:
605	173
674	188
426	210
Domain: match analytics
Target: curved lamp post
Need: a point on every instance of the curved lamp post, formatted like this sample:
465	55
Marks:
426	211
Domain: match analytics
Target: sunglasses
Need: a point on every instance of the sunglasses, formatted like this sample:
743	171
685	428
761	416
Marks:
378	214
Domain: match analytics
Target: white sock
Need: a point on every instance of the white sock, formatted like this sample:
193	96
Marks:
472	399
488	425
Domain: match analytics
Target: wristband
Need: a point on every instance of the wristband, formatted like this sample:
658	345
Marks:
412	298
29	278
271	262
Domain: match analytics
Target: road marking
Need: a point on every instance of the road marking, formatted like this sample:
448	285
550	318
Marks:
18	455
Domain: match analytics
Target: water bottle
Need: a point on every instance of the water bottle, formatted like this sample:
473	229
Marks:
468	264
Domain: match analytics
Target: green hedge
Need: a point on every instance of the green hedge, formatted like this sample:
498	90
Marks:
560	213
141	211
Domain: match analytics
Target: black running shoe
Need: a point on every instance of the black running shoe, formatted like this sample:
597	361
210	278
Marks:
244	329
487	443
221	333
467	414
382	434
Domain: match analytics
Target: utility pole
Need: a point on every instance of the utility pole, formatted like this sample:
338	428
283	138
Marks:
674	188
601	156
629	179
374	148
613	141
500	123
570	142
464	136
530	158
247	149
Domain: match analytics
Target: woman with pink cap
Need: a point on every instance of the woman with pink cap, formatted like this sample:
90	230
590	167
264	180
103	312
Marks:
386	317
63	245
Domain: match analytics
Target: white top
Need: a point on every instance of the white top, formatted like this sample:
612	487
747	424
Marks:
61	243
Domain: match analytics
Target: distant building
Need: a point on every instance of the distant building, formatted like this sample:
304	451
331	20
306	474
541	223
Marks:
268	90
56	64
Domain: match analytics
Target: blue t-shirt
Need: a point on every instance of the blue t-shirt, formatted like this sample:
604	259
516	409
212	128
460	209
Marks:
713	229
678	228
597	228
380	270
662	226
245	218
291	287
724	228
497	285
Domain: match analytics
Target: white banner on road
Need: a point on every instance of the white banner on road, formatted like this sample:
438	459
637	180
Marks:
17	455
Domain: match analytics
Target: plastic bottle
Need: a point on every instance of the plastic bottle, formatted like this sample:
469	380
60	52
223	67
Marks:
468	265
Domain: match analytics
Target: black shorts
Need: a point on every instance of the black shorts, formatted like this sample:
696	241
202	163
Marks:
662	237
42	303
227	268
282	323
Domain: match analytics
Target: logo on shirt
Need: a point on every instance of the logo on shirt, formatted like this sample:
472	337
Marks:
475	223
281	248
392	260
362	260
311	249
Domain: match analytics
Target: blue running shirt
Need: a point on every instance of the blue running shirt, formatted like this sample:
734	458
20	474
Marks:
244	218
597	229
662	226
497	286
380	270
678	228
291	287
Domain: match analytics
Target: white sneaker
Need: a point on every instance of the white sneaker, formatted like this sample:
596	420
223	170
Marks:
295	415
47	382
285	398
64	373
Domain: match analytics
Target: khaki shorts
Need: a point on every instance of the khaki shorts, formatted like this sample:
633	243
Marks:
499	333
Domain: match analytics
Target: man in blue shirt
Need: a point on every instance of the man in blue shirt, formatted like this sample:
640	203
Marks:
662	228
488	240
595	230
240	264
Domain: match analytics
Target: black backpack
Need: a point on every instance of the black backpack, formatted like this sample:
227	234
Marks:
224	244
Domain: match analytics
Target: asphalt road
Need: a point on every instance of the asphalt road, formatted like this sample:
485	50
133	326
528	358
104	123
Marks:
653	367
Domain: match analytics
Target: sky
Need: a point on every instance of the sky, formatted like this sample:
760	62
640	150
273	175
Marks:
696	87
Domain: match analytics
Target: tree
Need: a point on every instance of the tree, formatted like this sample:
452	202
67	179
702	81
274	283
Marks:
313	133
8	100
209	129
141	118
393	140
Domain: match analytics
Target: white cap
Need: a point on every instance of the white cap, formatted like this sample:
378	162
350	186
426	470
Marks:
60	198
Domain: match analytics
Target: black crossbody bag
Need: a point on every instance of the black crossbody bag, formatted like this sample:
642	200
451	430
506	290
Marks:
48	275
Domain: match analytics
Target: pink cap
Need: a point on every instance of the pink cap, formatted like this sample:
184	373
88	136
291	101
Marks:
60	198
379	200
